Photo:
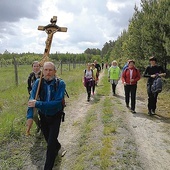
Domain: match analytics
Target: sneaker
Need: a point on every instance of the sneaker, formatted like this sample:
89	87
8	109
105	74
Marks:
133	111
153	112
149	113
38	129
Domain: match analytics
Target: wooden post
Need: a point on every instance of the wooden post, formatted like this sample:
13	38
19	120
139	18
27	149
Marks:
16	71
69	65
61	67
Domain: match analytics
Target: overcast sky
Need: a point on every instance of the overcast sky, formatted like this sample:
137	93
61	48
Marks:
90	23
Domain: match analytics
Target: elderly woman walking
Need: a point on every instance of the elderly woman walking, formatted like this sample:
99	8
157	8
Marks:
114	76
130	77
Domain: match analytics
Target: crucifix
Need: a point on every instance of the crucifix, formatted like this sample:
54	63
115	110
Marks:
50	29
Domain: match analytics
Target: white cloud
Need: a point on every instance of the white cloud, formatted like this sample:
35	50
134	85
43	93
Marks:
115	6
90	24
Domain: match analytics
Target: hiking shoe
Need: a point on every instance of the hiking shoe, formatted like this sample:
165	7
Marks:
38	129
149	113
153	112
133	111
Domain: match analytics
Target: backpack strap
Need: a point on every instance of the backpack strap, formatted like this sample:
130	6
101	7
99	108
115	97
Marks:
86	70
56	83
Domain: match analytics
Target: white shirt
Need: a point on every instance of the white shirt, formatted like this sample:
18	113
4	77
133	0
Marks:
131	73
88	74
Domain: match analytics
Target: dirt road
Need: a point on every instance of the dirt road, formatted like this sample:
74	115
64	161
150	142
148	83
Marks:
144	139
151	134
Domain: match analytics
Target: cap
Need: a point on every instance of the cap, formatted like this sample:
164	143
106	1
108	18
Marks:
152	59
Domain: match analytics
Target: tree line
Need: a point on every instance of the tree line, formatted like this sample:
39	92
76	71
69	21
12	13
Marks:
148	34
28	58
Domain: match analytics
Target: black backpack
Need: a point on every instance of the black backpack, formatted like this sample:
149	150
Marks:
157	85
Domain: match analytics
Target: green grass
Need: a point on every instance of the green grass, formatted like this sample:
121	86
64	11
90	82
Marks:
13	101
99	151
13	108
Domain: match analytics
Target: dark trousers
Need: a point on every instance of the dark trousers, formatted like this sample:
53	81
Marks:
93	86
130	90
114	88
50	127
88	88
152	98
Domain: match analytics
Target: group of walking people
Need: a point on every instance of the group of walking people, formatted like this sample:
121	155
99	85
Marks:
91	77
47	110
129	75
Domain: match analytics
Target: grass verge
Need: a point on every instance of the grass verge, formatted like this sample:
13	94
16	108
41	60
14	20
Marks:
13	107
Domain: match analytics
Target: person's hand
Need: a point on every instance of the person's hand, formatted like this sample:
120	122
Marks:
162	74
124	83
29	125
31	103
131	80
153	75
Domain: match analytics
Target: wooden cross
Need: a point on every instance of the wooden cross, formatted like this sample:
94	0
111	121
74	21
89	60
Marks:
50	29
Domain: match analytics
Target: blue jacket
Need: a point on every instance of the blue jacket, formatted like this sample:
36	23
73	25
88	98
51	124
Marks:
52	98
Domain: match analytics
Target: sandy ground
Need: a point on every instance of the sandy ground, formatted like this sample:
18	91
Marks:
151	134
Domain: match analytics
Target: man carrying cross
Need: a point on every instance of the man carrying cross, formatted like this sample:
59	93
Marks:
47	96
50	111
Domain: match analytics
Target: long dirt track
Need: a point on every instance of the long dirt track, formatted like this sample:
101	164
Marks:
151	136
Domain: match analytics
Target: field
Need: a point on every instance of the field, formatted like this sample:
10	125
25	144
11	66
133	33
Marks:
96	135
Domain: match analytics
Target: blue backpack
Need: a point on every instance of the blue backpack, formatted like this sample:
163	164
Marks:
157	85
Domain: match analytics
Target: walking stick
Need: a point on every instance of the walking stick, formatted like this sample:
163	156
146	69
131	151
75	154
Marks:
50	29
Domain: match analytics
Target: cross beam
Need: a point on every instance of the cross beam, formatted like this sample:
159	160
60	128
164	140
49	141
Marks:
50	29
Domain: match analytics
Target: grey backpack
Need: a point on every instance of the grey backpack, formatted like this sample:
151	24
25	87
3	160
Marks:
157	85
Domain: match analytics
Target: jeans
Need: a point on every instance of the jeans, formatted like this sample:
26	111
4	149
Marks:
50	126
130	90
